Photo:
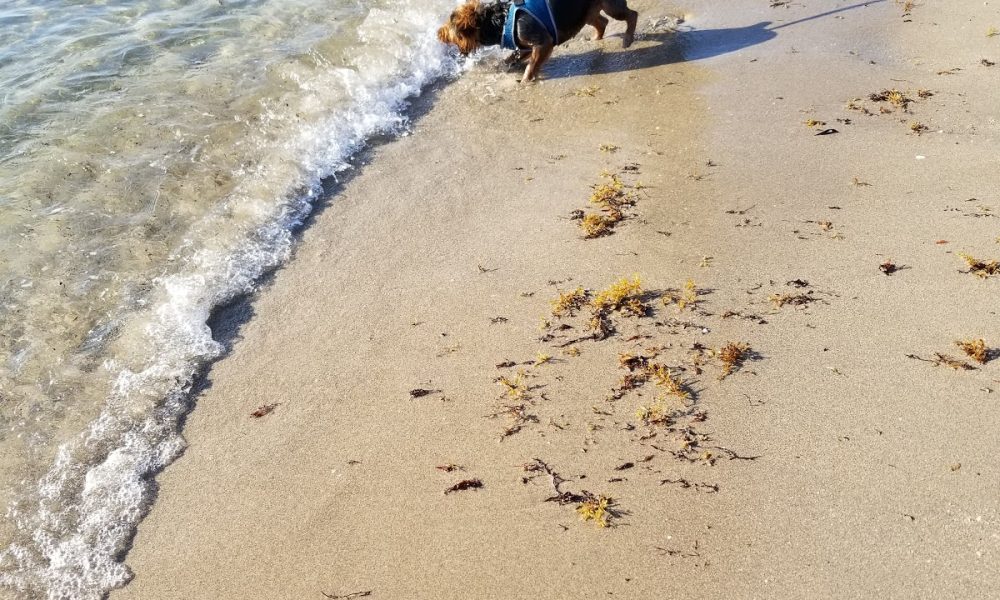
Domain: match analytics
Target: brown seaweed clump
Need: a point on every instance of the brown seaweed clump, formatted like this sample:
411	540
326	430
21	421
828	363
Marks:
599	509
975	349
779	300
612	197
981	268
568	303
686	297
625	295
893	97
595	226
732	356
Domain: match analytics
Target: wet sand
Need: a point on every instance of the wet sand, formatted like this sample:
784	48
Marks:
827	464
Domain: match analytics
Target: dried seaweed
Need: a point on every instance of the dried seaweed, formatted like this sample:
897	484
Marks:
514	388
264	410
686	297
599	509
568	303
465	484
595	226
981	268
780	300
975	349
351	596
539	467
655	414
612	196
708	488
893	96
625	295
944	360
519	416
632	362
732	356
627	383
600	326
670	383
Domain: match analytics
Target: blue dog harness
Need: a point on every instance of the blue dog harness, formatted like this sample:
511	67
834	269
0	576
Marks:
540	10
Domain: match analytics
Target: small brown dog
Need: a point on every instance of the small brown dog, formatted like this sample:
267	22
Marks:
535	25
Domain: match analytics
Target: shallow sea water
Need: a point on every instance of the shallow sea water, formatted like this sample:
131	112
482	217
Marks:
155	157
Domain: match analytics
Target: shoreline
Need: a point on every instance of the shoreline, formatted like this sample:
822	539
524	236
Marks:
401	281
89	432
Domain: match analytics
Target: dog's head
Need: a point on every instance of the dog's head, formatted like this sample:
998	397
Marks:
462	28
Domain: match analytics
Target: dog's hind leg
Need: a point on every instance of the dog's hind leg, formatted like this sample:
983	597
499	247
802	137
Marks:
597	21
619	11
539	54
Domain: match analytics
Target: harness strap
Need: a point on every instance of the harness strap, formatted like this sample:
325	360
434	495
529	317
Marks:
539	10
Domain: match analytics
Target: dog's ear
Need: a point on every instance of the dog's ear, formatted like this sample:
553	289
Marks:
464	18
444	34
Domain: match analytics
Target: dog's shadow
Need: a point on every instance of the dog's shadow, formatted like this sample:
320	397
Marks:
659	48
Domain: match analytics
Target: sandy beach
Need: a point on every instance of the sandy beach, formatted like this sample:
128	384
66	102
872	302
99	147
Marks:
771	194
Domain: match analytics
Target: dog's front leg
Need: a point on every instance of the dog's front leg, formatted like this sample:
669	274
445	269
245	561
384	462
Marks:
539	54
516	57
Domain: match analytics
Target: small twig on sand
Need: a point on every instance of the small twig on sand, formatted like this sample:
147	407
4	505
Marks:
350	596
731	455
538	465
708	488
944	360
680	553
592	336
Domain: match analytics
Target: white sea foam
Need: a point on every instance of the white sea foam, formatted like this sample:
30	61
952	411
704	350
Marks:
73	529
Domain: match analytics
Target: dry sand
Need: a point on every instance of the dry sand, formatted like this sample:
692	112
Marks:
875	474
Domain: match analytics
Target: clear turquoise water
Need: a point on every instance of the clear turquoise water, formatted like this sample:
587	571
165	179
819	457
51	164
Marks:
154	157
